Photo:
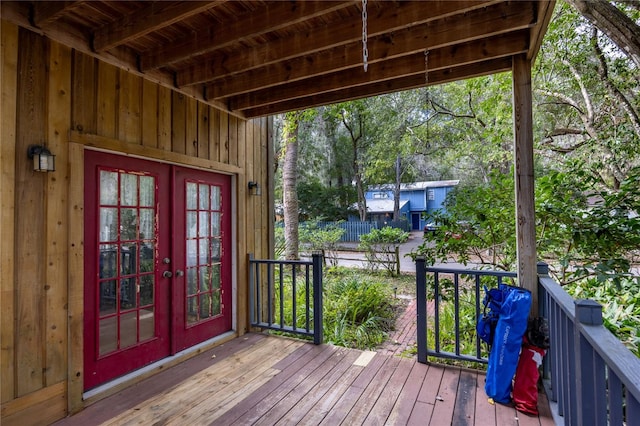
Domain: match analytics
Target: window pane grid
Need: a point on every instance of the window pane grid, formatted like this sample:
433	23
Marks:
126	284
203	251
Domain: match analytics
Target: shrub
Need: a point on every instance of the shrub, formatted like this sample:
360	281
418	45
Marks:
358	311
380	246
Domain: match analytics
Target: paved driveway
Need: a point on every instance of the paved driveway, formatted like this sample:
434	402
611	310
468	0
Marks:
348	256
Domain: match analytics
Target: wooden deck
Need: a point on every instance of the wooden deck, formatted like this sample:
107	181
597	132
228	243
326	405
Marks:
267	380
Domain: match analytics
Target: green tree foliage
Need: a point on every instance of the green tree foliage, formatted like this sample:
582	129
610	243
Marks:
587	94
479	225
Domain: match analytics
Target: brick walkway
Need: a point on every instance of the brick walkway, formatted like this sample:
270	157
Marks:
402	340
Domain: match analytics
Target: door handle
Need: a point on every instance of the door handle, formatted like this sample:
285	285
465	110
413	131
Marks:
179	273
167	274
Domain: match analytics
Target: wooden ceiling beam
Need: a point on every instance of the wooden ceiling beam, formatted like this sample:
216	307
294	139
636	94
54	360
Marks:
389	86
47	12
390	17
430	36
446	57
270	18
155	16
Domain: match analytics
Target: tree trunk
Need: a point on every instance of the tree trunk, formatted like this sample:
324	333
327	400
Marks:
614	23
289	185
396	191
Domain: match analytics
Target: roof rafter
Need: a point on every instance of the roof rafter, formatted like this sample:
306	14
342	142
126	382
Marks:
432	35
156	15
404	83
46	12
269	18
446	57
321	38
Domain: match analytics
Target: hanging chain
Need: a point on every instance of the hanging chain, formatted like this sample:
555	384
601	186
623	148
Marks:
365	49
426	68
426	89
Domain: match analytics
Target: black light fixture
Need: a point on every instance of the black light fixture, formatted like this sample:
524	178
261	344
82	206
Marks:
43	159
254	188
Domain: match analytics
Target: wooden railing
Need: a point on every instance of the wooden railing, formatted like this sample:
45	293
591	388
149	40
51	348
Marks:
590	377
589	373
286	295
472	281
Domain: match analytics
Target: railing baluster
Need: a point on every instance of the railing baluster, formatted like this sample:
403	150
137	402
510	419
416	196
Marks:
307	311
293	296
456	310
436	316
252	289
318	335
269	295
478	314
421	309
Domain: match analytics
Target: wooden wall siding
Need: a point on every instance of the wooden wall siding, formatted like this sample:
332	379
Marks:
51	94
9	58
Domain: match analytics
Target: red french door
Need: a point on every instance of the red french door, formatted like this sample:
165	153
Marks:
157	262
201	232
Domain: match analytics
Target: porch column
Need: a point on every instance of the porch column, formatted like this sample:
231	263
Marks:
524	179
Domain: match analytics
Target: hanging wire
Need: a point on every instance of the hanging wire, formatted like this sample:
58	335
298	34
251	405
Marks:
365	49
426	89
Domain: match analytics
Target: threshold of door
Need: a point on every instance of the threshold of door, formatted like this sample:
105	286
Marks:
114	386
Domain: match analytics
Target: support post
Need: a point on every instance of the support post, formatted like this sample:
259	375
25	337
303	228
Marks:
318	335
524	179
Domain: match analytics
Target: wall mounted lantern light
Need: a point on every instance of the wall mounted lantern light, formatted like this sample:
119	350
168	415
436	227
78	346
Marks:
43	160
254	188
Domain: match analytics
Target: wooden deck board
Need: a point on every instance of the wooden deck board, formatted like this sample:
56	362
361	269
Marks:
316	393
465	406
274	380
264	405
406	400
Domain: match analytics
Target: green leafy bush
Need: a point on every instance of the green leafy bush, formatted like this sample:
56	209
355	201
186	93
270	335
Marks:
380	246
359	310
620	307
324	239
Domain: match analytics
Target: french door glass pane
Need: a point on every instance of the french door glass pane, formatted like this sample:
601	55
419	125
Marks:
147	191
108	188
128	329
128	189
203	251
126	295
108	224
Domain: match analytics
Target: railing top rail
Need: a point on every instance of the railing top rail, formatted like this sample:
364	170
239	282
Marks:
562	298
282	262
492	273
615	354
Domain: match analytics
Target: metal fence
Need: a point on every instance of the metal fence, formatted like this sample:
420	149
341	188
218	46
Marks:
461	282
286	295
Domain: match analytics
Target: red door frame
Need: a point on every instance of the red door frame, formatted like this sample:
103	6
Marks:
173	334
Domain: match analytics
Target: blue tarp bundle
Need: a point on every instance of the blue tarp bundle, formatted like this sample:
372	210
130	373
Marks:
507	340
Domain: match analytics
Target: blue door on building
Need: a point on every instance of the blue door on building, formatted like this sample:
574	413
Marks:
415	221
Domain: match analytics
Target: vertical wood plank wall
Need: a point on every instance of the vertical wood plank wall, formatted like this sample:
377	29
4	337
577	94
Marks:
49	92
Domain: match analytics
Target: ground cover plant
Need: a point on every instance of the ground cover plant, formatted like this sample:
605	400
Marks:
359	307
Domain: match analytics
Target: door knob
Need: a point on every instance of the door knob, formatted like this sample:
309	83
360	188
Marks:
179	273
167	274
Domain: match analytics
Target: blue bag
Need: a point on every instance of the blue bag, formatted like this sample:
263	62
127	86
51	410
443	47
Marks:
507	340
487	322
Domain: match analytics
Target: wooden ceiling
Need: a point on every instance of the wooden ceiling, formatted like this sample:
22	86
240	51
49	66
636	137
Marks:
257	58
